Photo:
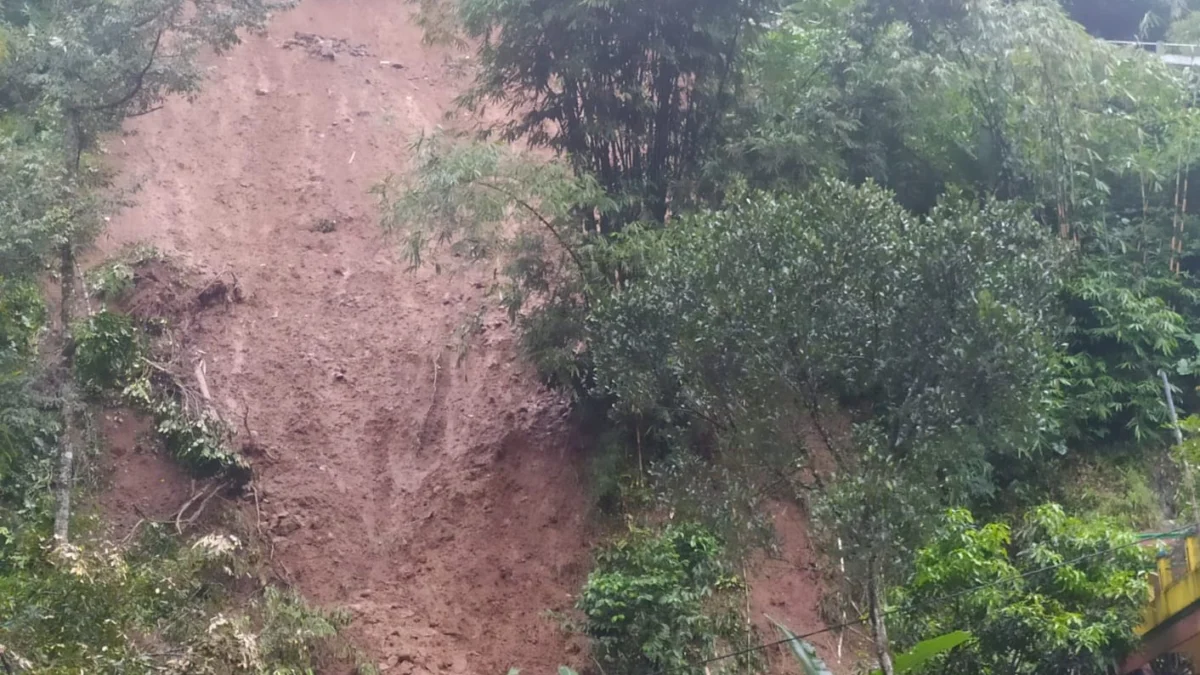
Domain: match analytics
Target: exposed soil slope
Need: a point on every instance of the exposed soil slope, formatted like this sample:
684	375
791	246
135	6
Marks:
441	501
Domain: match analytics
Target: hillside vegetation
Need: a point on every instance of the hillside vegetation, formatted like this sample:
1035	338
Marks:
920	267
963	225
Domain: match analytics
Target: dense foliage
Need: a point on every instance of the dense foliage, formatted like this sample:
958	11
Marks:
27	427
739	315
631	91
958	230
660	601
1077	617
109	350
151	608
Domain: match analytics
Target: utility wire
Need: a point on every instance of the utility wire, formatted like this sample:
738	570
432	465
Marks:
904	610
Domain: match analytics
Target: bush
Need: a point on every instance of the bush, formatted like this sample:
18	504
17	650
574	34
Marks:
108	352
73	610
653	602
198	441
1075	618
110	281
936	324
96	609
26	430
113	279
1120	491
1127	327
294	632
22	315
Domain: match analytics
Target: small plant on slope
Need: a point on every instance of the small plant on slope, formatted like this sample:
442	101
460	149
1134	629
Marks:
108	351
654	602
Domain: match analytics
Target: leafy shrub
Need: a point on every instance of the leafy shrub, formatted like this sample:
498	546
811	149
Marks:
78	609
718	493
1118	491
1076	618
108	351
195	436
26	430
294	632
292	638
653	602
610	474
1127	328
72	610
942	323
198	441
28	439
468	195
22	315
113	279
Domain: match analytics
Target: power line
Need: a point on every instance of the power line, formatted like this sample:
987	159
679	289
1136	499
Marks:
903	610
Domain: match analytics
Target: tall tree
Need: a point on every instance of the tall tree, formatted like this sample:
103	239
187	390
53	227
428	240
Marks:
632	92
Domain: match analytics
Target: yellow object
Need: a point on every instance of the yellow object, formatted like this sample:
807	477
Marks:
1172	595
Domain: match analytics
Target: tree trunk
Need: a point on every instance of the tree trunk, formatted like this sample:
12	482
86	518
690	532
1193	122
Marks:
878	626
67	441
657	173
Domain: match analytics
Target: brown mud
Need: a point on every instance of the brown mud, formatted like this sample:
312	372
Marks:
441	500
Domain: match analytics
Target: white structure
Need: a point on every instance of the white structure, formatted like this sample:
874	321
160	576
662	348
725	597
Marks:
1171	53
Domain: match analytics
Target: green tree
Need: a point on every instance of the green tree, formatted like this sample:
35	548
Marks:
489	203
939	329
658	602
1055	595
739	316
633	93
1008	100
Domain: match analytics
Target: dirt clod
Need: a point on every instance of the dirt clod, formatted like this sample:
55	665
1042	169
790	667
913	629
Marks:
324	47
218	291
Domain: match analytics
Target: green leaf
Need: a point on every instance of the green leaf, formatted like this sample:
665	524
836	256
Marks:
927	649
805	652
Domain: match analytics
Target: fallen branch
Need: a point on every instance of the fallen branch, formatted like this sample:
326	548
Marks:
132	531
200	370
258	512
180	523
